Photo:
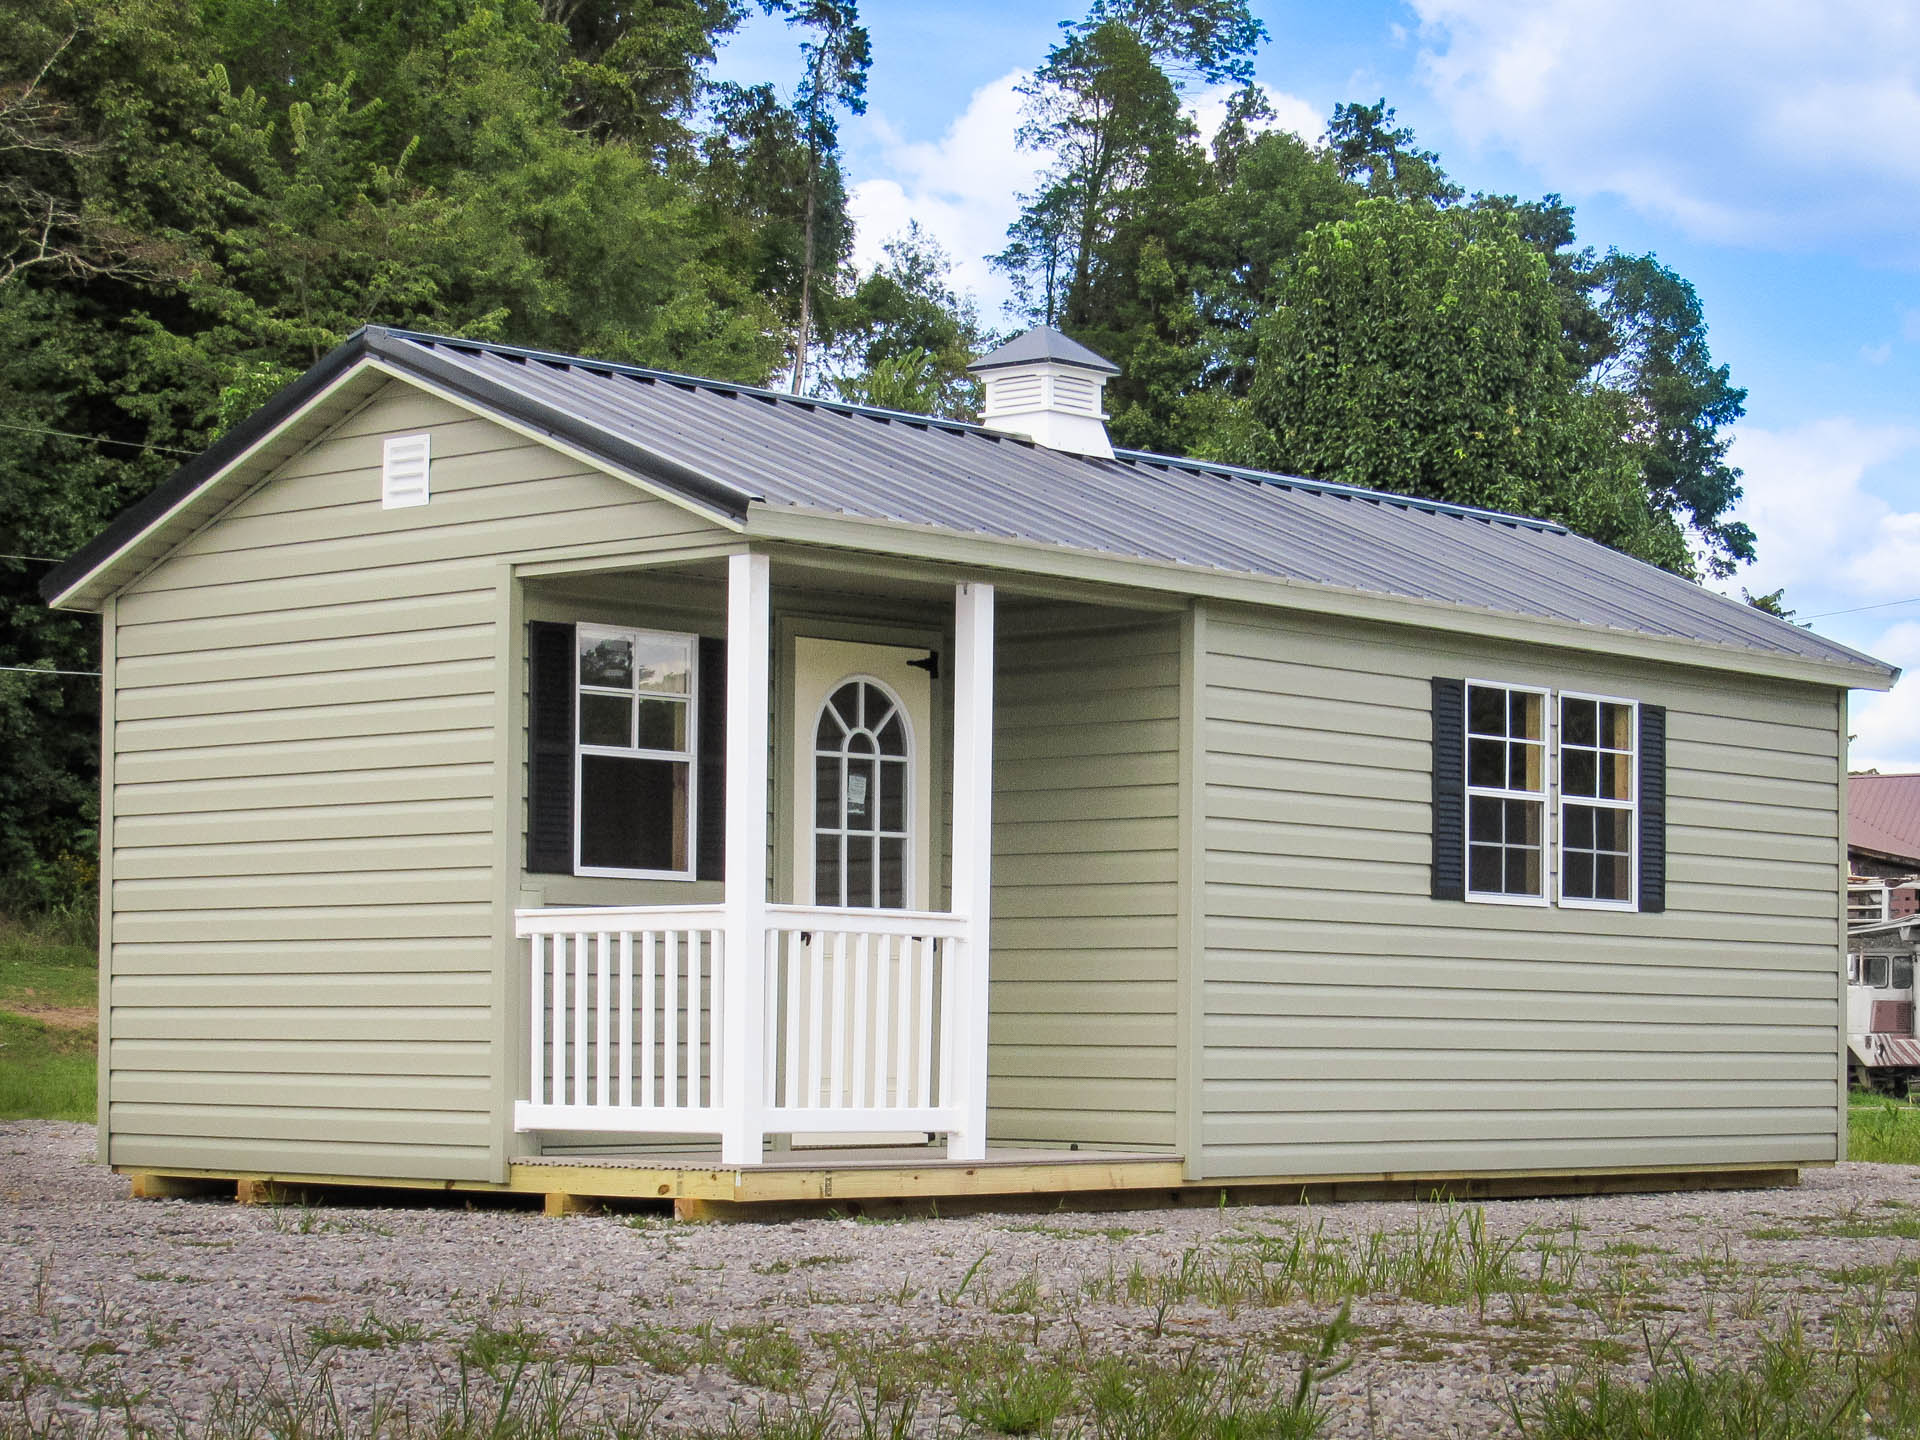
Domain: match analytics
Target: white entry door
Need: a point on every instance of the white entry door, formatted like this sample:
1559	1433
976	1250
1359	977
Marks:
862	775
862	825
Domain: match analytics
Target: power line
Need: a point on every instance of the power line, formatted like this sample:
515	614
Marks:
1883	605
96	439
42	670
43	559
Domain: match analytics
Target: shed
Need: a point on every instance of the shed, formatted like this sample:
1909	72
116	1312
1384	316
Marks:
522	771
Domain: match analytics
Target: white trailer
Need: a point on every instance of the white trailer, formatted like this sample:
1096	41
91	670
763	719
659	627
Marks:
1882	1048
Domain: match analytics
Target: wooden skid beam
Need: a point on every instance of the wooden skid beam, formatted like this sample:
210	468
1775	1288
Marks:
145	1185
776	1192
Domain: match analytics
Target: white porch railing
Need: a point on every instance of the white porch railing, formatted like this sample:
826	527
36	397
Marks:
628	1020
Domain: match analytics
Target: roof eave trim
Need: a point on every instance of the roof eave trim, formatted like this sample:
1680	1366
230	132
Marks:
60	586
799	525
374	349
415	359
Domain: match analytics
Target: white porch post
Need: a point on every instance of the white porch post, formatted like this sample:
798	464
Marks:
744	996
972	861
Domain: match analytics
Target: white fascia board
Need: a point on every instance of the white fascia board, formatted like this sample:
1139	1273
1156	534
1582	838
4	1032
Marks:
243	464
925	542
554	442
219	478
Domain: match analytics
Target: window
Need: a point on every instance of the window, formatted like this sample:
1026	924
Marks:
1903	972
1597	800
1876	971
862	816
634	752
1853	969
1506	743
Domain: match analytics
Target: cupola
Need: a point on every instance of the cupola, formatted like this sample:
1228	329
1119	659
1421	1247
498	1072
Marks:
1046	387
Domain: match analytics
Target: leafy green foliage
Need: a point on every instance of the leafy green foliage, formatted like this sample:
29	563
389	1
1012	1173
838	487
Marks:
199	198
1405	337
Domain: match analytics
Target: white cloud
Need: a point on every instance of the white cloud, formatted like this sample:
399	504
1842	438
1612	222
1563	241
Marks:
1877	354
1752	125
1805	502
1814	497
1886	728
962	188
1208	110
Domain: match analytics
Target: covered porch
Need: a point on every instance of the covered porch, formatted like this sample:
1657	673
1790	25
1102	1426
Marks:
747	1021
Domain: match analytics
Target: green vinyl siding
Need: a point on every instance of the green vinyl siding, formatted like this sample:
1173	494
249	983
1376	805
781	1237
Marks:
305	879
1352	1025
1085	870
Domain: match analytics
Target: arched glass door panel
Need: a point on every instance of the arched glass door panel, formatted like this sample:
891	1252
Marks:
862	799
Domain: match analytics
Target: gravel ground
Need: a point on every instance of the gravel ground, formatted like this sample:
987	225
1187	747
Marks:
179	1311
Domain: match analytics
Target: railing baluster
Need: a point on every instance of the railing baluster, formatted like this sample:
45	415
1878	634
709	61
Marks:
649	1023
603	1020
694	1028
882	1020
859	1026
790	997
816	1018
837	1060
719	977
771	941
559	1019
903	1025
537	1010
949	1003
925	945
626	1019
579	1017
670	1018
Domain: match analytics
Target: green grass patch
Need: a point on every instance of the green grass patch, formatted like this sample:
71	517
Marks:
1792	1390
45	966
1886	1133
46	1072
46	1060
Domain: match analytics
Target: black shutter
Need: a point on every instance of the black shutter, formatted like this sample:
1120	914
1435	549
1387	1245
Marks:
1653	808
549	748
1449	789
710	845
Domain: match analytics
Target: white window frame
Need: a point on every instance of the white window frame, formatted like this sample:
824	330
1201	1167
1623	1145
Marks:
1885	982
1562	800
1543	797
1853	967
909	888
690	757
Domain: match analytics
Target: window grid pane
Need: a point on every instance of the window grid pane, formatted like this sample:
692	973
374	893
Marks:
634	750
1506	792
1597	810
861	809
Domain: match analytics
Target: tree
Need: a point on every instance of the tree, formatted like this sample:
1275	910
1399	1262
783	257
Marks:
1380	157
835	62
1660	357
1106	105
1416	350
905	337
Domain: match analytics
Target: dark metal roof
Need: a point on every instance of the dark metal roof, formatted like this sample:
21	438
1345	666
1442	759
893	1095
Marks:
728	448
1043	342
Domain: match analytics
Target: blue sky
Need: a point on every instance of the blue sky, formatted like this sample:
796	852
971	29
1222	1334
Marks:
1767	152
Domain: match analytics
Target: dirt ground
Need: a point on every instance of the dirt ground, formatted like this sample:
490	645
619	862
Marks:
174	1312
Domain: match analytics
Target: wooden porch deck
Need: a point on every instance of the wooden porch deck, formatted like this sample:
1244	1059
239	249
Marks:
855	1177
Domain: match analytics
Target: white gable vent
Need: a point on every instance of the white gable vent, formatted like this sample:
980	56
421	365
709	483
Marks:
403	471
1047	388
